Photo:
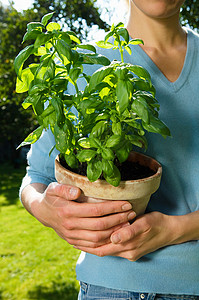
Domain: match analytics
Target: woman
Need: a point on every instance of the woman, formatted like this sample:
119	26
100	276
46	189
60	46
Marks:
157	256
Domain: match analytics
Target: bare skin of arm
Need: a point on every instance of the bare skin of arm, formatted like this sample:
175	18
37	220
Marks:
80	224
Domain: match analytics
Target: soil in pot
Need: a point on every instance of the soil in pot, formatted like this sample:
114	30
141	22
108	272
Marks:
129	170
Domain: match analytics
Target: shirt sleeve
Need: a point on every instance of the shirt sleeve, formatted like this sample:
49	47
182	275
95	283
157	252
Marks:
40	167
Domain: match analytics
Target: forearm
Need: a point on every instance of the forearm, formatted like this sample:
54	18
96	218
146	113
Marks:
32	193
185	227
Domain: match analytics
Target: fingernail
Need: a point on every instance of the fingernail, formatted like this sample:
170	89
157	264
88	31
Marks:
131	215
73	192
127	206
116	238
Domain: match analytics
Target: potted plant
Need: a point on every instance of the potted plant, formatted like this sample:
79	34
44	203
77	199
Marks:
113	112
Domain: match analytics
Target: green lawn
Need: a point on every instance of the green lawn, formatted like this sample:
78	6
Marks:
34	262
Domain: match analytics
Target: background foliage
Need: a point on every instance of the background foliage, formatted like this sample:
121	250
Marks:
77	15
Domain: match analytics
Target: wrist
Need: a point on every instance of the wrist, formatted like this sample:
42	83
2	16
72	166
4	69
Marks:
184	228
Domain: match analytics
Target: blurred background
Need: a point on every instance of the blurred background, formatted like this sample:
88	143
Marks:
34	262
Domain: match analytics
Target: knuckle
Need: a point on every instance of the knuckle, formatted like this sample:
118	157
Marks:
100	253
95	245
128	233
132	256
97	238
100	224
71	242
96	210
68	225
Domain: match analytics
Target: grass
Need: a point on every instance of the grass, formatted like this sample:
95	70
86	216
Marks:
34	262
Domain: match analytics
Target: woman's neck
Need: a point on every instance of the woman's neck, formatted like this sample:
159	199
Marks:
155	32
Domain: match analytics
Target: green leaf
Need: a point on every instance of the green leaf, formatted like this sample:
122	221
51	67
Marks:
97	59
103	44
65	36
42	39
63	50
35	25
107	167
86	155
21	58
140	107
107	153
108	35
157	126
124	33
47	117
95	143
62	138
99	129
115	177
32	137
35	101
74	74
98	76
122	94
117	128
139	141
136	42
128	49
103	116
31	35
71	160
37	88
123	151
140	72
87	47
136	125
73	37
113	141
58	107
94	170
24	84
84	143
53	26
140	84
46	18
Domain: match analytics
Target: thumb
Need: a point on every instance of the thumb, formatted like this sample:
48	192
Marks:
65	191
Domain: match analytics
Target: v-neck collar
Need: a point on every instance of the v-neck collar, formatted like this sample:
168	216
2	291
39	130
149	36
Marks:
179	82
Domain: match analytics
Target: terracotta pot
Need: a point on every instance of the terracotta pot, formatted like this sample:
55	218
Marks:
137	192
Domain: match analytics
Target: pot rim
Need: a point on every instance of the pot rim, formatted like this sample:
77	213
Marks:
122	182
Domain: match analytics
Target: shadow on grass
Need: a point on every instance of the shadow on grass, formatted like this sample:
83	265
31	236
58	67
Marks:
58	290
10	181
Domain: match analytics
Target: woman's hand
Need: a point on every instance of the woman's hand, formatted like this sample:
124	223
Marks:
80	224
148	233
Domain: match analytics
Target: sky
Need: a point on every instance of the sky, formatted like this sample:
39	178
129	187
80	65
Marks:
19	4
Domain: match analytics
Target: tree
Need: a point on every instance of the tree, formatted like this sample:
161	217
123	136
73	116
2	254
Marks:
77	15
190	14
15	123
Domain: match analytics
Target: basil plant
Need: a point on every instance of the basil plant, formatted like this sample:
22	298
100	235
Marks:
114	111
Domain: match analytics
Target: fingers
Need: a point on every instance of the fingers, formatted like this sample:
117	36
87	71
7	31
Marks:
89	238
139	226
83	210
96	224
64	191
